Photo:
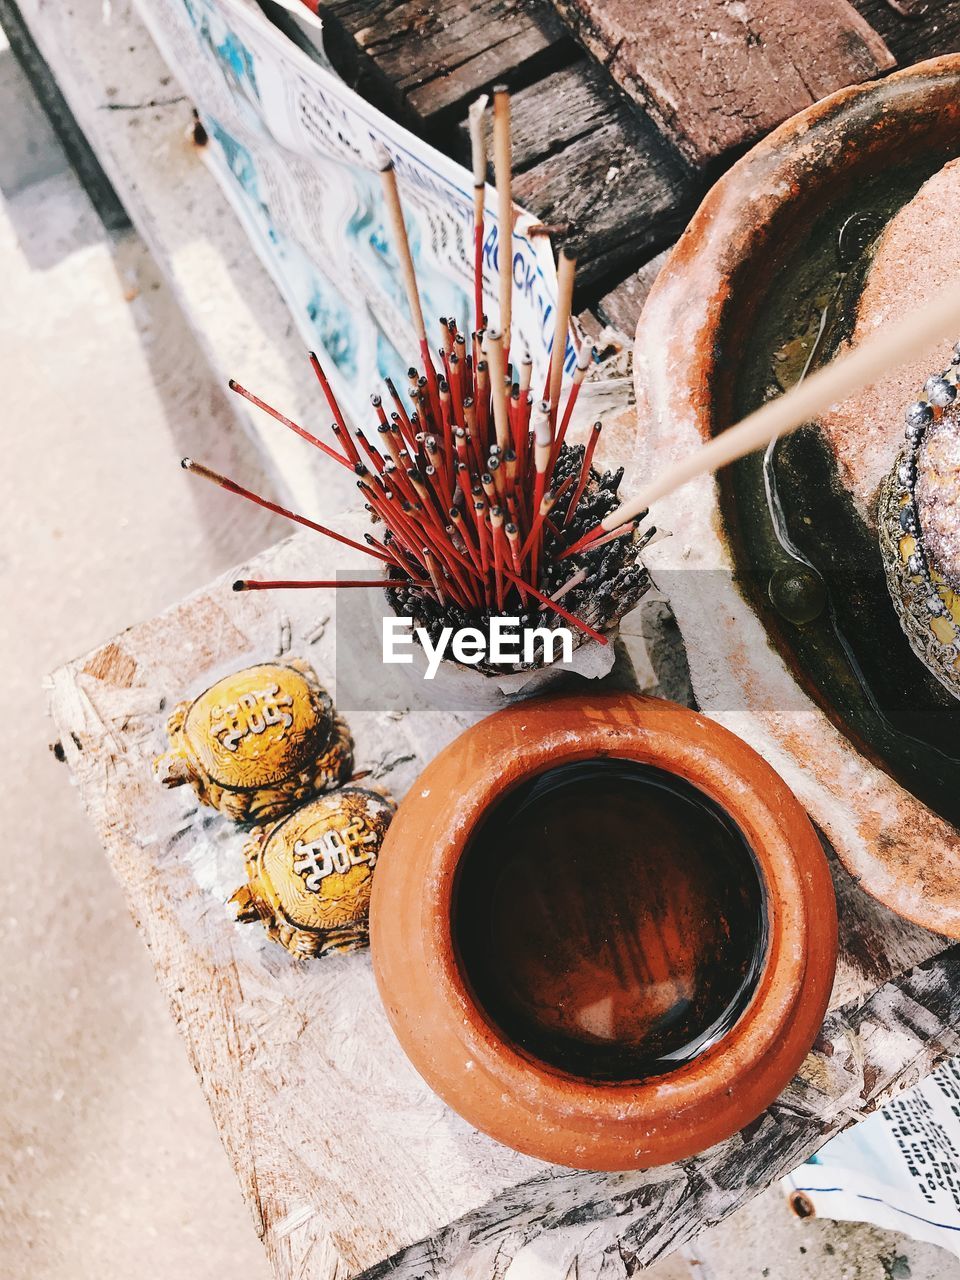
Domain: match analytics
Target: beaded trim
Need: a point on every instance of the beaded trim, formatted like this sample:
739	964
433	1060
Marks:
939	392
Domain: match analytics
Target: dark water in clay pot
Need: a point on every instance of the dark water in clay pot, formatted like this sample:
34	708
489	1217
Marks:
610	920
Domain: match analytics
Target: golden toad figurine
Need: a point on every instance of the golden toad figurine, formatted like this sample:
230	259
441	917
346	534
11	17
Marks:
309	875
258	742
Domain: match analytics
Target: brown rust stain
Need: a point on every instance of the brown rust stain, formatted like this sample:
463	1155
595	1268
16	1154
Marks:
196	637
935	877
112	665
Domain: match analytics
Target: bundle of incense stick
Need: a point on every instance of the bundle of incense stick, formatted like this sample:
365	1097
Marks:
485	509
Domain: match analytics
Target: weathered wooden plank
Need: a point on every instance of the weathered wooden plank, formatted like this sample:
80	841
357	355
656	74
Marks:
925	29
586	159
623	202
866	1054
429	63
562	108
583	153
914	8
621	307
435	59
716	76
344	1156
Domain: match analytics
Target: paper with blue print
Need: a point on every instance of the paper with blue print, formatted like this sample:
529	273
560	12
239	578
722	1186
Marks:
899	1169
293	148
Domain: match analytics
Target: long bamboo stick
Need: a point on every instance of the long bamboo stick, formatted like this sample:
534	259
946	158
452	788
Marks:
478	155
566	272
890	348
391	196
498	391
502	165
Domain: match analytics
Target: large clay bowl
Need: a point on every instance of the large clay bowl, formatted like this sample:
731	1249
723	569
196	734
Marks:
457	1047
691	341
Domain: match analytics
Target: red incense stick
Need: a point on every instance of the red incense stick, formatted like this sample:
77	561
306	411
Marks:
255	584
584	471
198	469
288	422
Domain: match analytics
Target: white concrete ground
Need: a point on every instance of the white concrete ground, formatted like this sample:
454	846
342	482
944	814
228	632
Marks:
109	1163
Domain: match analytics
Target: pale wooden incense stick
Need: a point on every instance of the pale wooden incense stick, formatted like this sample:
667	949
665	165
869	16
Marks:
502	165
478	155
565	276
584	356
391	196
498	389
890	348
526	371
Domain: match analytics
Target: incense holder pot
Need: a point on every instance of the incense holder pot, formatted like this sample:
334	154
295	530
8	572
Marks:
258	742
642	985
309	875
768	279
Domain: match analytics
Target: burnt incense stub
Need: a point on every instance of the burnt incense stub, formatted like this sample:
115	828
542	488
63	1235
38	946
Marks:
310	874
258	742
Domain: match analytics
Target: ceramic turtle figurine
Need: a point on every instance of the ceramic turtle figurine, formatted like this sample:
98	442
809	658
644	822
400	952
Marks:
309	875
918	518
258	742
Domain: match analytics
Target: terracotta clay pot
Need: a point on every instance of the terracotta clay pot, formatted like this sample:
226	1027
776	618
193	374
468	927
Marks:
742	254
456	1045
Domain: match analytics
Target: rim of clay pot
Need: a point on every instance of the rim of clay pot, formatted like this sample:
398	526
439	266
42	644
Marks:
498	1087
695	316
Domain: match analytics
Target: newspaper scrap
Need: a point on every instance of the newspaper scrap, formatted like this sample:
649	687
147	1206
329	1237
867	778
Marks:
293	148
898	1169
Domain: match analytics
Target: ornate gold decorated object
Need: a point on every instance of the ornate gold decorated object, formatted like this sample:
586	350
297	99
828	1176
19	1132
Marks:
310	874
919	527
258	742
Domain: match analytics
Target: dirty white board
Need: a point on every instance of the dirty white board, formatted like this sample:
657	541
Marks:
349	1164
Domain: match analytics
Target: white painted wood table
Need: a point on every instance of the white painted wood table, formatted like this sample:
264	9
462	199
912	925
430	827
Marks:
349	1164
